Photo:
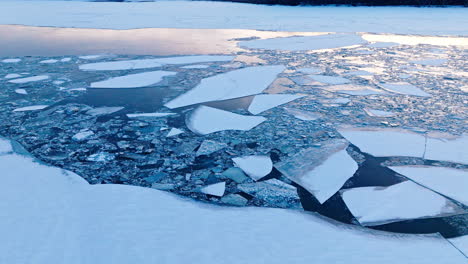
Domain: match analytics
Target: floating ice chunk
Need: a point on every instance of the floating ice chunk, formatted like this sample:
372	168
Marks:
321	171
80	136
273	193
255	166
201	66
450	182
49	61
351	89
461	243
264	102
91	57
30	108
310	70
21	91
328	41
150	63
386	142
402	201
383	44
453	150
378	113
65	60
404	88
341	100
174	132
303	115
149	115
230	85
133	80
5	146
209	146
12	76
430	62
105	110
11	60
30	79
330	79
249	59
216	189
101	157
359	73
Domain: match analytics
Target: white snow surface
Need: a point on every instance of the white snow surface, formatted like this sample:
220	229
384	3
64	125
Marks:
205	120
402	201
263	102
461	243
229	85
454	150
5	146
49	215
150	63
30	79
133	80
255	166
450	182
30	108
199	14
328	41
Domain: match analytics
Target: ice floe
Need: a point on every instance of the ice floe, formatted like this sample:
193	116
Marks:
321	171
150	63
461	243
49	61
230	85
273	193
310	70
209	146
330	79
430	62
402	201
82	135
30	108
149	115
404	88
30	79
104	110
327	41
383	44
450	182
205	120
92	57
255	166
216	189
303	115
264	102
133	80
12	76
200	66
378	113
386	142
351	89
21	91
452	149
174	132
5	146
158	225
11	60
65	59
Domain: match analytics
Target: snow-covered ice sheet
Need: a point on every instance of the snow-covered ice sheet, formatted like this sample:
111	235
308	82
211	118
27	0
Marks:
264	102
418	40
30	79
229	85
321	171
402	201
450	182
54	216
386	142
255	166
5	146
448	149
205	120
150	63
461	243
133	80
30	108
383	44
327	41
404	88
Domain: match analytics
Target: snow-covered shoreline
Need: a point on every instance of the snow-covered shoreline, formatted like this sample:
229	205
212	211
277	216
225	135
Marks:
199	14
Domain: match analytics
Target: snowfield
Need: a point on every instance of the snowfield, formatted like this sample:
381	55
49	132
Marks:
49	215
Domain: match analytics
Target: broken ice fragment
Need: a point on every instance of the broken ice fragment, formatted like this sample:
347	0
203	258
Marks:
386	142
235	174
329	79
310	70
12	76
21	91
321	171
11	60
230	85
402	201
209	146
303	115
133	80
404	88
91	57
30	79
49	61
80	136
264	102
255	166
65	60
378	113
274	193
216	189
101	157
234	199
205	120
450	182
30	108
105	110
174	132
149	115
447	149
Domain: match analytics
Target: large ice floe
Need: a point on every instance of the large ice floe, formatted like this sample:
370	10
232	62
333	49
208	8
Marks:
205	120
256	166
54	216
150	63
404	88
322	171
402	201
133	80
450	182
265	102
229	85
326	41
